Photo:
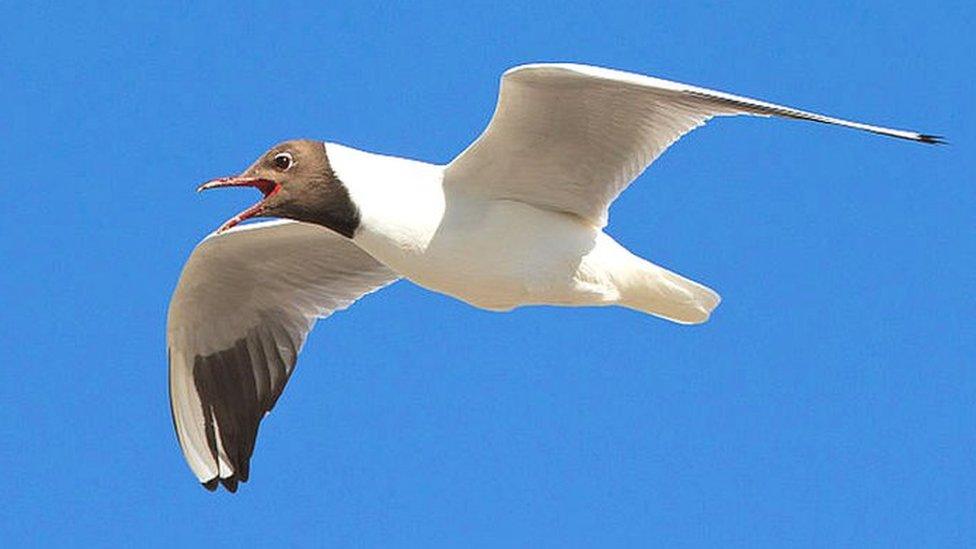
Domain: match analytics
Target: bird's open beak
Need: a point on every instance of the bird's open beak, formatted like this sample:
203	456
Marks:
267	187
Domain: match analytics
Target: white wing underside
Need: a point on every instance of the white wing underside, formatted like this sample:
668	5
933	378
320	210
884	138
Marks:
572	137
237	321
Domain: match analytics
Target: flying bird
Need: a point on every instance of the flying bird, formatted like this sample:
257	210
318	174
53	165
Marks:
516	219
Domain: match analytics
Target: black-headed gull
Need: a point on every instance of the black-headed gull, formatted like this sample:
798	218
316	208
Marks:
516	219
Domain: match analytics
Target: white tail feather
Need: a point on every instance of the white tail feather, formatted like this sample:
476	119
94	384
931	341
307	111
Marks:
662	293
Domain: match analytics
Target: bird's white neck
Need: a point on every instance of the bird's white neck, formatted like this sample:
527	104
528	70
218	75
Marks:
400	201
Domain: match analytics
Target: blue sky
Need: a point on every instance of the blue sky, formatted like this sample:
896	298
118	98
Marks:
830	400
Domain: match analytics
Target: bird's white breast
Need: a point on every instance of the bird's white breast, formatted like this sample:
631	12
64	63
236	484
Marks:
494	254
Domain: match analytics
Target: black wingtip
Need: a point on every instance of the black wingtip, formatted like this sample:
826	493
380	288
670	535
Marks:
230	483
932	139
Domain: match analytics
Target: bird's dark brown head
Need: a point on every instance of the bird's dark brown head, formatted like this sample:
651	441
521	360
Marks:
298	183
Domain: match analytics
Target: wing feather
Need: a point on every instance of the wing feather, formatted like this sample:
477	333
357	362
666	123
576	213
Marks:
572	137
241	311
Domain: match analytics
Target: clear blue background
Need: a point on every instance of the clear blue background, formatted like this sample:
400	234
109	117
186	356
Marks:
830	400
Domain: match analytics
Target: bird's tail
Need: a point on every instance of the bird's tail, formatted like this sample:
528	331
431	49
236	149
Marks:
660	292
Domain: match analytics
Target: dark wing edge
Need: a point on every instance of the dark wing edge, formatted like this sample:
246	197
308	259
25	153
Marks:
236	388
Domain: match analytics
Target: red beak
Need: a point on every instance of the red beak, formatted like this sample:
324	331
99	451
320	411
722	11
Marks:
266	186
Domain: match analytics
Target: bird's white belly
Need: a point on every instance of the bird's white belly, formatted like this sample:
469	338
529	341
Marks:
498	255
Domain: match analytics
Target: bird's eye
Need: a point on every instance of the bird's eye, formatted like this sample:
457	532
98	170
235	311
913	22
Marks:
282	161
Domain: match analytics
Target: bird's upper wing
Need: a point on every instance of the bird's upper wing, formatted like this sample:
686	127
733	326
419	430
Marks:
237	321
572	137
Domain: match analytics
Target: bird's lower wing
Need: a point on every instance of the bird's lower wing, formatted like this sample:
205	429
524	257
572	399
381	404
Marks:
572	137
237	321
